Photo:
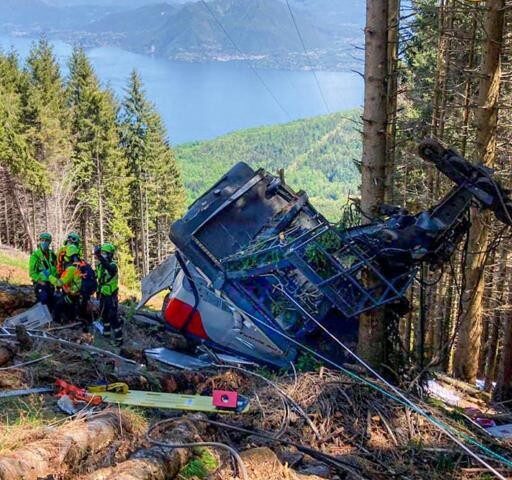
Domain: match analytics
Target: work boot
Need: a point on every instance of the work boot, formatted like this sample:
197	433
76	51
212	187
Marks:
117	339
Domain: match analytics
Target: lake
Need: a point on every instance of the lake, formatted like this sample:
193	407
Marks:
201	101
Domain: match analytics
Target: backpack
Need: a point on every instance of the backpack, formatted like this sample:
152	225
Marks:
89	282
60	260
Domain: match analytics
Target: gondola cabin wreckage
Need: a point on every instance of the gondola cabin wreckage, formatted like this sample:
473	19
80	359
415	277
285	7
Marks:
260	273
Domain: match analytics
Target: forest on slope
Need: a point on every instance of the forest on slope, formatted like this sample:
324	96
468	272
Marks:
74	158
446	75
319	155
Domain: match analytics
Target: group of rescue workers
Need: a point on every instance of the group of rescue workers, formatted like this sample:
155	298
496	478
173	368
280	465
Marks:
65	283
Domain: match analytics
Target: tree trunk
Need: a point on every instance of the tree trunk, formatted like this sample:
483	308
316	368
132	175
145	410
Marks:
61	450
469	340
154	463
392	96
503	390
468	88
23	216
101	219
372	331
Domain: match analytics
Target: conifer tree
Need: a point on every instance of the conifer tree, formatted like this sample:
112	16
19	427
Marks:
46	122
156	192
99	166
20	171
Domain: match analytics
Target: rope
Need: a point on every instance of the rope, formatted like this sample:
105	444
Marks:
231	450
400	398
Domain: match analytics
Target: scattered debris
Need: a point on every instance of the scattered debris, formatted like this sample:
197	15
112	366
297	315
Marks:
117	387
6	333
198	362
176	359
501	431
32	319
76	394
67	405
27	391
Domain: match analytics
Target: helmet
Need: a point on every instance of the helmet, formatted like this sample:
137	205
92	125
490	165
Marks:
71	250
73	238
108	248
45	237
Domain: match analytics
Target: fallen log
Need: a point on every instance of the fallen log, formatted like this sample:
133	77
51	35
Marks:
63	449
6	355
463	386
14	297
157	462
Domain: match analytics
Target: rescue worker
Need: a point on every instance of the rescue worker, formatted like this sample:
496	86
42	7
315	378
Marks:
70	282
72	239
108	285
43	265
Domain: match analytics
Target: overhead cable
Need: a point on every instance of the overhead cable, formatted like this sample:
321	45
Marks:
238	49
301	38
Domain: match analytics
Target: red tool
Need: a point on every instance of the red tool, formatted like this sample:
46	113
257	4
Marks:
225	399
76	394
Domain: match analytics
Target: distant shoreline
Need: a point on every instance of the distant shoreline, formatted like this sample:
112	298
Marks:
290	61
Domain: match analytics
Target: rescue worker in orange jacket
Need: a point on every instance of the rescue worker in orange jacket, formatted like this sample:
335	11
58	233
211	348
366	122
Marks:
70	283
72	239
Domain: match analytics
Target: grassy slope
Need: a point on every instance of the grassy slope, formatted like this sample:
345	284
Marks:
14	270
13	266
317	154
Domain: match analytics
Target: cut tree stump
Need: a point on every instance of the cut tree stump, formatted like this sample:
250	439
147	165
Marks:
154	463
63	449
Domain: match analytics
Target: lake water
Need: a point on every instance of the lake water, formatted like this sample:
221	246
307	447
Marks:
203	101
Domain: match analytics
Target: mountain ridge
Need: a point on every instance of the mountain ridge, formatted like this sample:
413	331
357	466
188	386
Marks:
263	30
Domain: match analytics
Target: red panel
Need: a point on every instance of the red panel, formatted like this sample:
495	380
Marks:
225	399
177	313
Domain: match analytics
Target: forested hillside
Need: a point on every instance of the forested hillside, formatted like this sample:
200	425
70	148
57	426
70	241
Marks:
447	76
319	155
74	159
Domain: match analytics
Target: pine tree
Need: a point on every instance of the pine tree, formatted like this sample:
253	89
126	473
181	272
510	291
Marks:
378	142
99	167
21	173
486	122
45	117
156	193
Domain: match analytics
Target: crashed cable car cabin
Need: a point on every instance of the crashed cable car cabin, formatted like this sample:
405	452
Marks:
261	273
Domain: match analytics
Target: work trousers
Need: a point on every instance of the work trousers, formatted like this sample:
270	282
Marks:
67	308
45	294
112	324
